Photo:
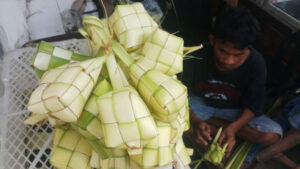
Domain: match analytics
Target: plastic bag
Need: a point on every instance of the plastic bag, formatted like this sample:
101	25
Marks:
1	82
152	8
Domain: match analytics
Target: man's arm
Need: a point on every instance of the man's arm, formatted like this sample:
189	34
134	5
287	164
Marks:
244	118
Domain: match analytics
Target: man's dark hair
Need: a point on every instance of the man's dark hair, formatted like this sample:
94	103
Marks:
236	26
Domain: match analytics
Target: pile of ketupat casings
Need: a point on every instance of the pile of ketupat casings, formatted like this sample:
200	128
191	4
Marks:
120	107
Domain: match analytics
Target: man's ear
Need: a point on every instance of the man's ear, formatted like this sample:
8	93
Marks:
211	39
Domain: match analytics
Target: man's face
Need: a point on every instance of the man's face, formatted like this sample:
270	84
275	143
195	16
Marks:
226	56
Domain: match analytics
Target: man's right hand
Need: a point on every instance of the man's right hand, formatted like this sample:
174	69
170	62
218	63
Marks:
202	131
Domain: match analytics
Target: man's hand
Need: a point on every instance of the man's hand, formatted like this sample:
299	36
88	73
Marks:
200	129
202	132
227	136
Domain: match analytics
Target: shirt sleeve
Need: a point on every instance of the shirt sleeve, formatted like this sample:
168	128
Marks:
254	95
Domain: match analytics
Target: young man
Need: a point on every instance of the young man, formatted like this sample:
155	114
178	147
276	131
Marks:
226	83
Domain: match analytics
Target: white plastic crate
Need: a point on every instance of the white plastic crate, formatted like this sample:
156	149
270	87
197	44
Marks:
22	146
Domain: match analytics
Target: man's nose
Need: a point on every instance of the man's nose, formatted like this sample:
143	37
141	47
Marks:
229	60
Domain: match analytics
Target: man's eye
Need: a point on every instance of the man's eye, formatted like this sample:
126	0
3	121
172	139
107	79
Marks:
222	51
238	55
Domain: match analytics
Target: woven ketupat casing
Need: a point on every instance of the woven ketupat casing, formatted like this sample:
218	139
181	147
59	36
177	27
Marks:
164	95
96	33
89	121
118	160
89	125
163	52
158	152
132	25
70	150
179	125
49	57
63	91
126	120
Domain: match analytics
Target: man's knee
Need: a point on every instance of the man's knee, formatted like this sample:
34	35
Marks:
268	138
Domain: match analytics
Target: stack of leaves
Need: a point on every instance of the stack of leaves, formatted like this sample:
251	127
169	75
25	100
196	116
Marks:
125	111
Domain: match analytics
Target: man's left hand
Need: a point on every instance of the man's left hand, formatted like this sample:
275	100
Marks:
227	136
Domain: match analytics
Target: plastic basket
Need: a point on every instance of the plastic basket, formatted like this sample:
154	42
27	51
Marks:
23	146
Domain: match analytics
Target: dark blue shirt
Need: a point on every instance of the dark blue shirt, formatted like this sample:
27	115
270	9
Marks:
241	88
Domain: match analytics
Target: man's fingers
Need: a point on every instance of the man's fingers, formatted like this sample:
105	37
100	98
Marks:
227	154
228	151
207	135
207	132
199	139
205	129
202	126
221	138
229	148
190	130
